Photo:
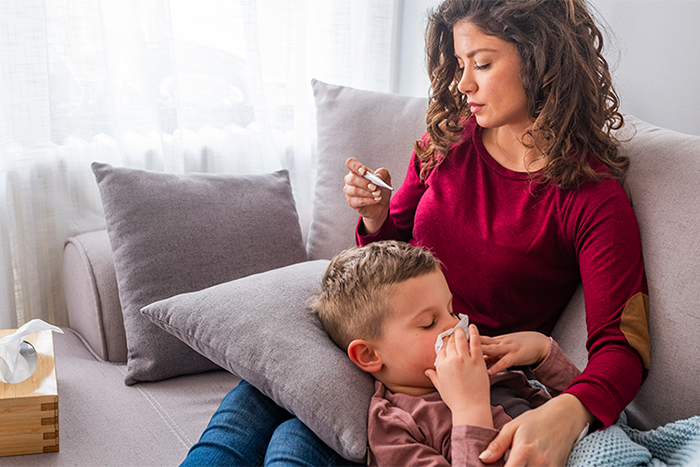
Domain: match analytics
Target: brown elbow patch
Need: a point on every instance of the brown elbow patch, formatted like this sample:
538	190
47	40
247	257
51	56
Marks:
635	325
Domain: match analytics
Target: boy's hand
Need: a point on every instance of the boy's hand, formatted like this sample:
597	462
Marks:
461	379
518	348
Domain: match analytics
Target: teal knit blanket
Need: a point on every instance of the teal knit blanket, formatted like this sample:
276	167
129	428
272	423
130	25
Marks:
675	444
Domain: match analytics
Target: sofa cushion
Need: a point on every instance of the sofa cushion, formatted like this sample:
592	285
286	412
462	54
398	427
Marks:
104	423
376	128
260	328
172	234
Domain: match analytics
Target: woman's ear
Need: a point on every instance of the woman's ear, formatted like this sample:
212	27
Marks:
364	355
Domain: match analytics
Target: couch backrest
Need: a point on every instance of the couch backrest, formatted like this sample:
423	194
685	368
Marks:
664	181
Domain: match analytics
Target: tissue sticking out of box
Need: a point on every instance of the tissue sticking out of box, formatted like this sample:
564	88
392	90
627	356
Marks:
463	323
18	358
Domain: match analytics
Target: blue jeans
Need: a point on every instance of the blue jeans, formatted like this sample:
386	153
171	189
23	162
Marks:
249	429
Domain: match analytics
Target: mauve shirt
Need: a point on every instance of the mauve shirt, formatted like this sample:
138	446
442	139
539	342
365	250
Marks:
417	430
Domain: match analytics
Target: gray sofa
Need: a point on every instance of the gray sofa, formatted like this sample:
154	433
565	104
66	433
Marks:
102	421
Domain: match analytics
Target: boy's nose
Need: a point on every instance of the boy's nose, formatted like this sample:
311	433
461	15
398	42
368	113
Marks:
452	322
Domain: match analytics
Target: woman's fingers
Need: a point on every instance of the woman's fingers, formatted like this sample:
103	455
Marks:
355	166
354	191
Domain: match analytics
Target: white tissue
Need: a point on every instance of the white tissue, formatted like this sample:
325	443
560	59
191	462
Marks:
463	323
15	368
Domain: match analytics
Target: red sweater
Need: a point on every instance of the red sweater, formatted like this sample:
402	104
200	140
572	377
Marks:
514	252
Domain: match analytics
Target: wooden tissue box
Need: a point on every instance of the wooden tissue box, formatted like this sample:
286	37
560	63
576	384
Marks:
29	410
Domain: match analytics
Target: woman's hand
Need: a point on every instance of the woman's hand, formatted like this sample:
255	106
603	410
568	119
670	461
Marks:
461	379
518	348
370	201
543	436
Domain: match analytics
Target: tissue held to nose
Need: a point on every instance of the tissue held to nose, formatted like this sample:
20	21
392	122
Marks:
463	323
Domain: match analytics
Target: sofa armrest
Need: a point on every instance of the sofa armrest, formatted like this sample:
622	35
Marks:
92	296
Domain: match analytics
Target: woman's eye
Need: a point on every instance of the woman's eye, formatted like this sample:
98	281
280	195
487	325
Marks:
482	67
432	323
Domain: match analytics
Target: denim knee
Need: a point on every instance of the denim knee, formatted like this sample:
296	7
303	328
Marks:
294	444
239	431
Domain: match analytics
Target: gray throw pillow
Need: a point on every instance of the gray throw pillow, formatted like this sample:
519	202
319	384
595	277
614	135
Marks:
376	128
259	327
172	234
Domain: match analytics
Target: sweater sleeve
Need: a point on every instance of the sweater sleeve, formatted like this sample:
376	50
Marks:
556	371
609	252
402	210
468	442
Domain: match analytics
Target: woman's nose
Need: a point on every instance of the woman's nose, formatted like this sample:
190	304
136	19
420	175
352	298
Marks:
466	84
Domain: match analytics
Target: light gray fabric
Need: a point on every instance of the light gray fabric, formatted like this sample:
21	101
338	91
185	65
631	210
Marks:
104	423
92	296
172	234
259	327
376	128
663	181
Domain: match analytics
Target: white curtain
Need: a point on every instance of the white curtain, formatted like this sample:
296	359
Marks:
168	85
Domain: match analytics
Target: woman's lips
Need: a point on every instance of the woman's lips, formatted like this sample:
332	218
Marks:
474	107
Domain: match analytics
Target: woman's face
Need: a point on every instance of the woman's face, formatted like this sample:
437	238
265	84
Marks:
491	78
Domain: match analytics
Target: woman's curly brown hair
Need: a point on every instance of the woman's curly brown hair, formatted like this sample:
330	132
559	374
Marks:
571	100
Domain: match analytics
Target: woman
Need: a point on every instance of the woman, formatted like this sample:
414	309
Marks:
516	188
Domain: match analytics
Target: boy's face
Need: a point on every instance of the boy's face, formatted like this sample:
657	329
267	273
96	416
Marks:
422	309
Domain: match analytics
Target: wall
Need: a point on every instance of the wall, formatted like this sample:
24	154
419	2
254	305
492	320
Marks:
653	49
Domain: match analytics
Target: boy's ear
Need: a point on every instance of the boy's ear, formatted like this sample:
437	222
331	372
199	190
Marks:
364	355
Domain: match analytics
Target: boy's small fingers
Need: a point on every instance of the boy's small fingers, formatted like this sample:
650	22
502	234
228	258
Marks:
473	331
448	344
432	376
474	341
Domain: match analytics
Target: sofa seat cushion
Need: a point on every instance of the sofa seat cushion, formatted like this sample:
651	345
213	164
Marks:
102	422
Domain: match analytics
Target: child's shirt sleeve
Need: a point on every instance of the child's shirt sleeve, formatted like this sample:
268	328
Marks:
468	442
397	438
556	371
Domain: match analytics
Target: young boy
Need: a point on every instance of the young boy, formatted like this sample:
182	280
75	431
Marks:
386	304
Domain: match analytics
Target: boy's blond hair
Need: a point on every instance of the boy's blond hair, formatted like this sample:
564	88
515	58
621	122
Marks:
353	302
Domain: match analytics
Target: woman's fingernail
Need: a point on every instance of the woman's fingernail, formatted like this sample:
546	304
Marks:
377	194
372	187
361	170
378	198
485	455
